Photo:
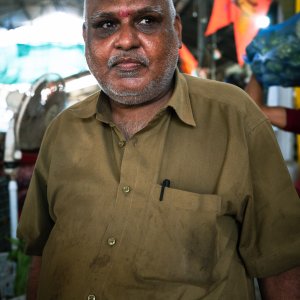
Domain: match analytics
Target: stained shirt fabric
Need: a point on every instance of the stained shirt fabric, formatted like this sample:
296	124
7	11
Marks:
94	209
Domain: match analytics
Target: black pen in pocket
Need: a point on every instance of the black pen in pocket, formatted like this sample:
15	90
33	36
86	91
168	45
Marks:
165	183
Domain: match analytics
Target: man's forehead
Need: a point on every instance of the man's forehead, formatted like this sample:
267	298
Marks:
124	12
125	7
127	2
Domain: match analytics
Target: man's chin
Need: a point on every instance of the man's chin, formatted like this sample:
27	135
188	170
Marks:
128	97
128	86
129	81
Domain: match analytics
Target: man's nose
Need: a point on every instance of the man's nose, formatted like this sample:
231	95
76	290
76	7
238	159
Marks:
127	38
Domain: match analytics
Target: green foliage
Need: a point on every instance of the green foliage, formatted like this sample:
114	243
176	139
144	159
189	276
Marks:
22	266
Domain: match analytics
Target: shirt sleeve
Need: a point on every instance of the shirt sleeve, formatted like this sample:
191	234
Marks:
293	120
270	231
35	222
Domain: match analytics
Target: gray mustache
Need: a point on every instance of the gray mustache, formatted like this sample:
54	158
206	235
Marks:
114	60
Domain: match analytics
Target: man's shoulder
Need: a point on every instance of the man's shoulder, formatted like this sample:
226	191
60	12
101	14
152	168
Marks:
222	98
216	92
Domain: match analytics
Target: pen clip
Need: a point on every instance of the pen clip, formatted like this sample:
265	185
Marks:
165	183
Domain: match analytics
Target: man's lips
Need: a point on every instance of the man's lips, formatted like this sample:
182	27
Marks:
128	63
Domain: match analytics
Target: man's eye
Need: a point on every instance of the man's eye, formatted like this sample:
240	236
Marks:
106	24
147	21
105	28
148	24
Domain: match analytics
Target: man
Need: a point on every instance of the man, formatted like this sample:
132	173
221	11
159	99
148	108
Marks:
282	117
161	186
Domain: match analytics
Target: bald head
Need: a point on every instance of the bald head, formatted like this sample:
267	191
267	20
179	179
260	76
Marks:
170	4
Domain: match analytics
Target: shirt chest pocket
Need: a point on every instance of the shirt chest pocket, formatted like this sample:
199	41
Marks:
179	237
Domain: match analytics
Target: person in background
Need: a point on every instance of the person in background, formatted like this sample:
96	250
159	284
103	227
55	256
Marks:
282	117
285	118
154	187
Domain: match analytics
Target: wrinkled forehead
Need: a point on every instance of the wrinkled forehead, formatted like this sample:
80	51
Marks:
123	8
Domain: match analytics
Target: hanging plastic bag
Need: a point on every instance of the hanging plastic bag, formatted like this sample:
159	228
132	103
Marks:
274	54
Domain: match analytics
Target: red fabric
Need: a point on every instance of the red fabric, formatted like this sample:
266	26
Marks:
297	186
293	120
221	16
29	158
242	13
293	125
188	61
24	174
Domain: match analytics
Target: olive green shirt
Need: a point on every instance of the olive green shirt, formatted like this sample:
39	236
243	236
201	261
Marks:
106	229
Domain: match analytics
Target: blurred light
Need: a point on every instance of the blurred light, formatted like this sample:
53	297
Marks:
6	38
7	108
58	27
80	83
217	54
45	93
5	117
5	113
262	21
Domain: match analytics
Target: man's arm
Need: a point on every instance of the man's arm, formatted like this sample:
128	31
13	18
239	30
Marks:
33	277
255	91
276	114
283	286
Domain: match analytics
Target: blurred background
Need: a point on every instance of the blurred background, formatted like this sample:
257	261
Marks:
43	71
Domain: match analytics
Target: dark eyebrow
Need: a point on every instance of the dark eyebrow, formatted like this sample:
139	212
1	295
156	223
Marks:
150	9
145	10
101	14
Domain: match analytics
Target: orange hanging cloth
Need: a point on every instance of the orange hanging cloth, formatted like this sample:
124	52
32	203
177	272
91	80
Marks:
188	63
243	14
221	16
245	26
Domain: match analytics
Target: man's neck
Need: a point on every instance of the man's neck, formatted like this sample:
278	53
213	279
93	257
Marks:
132	118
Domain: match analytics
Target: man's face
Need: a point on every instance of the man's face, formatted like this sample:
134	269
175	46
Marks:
132	47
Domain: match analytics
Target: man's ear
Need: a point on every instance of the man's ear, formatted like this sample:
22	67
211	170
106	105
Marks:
178	29
84	33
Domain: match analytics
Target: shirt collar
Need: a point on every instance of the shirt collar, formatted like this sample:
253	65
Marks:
179	101
86	108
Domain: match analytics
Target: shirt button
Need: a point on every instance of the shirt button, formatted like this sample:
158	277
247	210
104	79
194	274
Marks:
126	189
91	297
121	144
111	241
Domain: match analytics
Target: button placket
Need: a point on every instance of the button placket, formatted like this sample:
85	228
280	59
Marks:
126	189
112	241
